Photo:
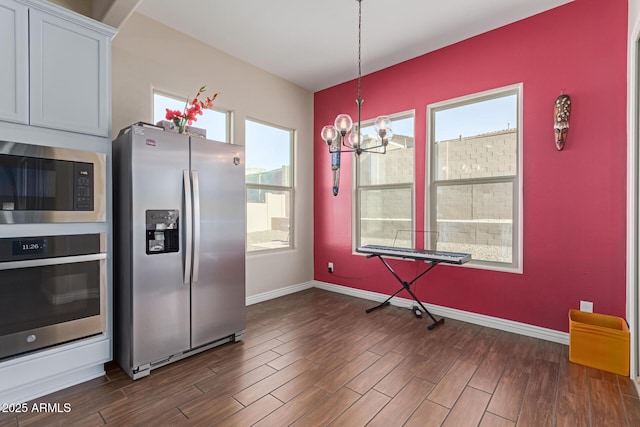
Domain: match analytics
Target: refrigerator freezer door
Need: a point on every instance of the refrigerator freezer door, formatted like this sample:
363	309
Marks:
160	299
218	294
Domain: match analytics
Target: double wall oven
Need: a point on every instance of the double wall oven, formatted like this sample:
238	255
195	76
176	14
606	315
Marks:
52	286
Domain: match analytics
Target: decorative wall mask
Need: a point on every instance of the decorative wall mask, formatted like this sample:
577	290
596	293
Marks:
561	114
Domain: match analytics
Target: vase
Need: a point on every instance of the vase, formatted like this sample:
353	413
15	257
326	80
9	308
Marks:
179	125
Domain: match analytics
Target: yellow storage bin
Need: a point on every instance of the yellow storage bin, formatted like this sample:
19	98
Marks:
599	341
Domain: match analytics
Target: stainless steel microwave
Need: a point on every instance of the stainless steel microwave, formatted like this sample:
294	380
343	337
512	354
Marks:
40	184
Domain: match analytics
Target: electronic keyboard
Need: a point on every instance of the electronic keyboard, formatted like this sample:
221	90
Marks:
419	254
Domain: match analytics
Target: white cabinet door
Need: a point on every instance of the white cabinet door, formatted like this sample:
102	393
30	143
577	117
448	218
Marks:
69	75
14	54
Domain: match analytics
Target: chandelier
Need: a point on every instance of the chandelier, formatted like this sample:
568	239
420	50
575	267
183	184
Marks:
336	135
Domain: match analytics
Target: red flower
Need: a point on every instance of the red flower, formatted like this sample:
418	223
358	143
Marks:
192	109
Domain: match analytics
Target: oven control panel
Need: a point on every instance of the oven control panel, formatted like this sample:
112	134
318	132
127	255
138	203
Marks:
24	248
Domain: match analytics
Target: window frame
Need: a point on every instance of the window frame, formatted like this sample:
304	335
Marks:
432	185
357	188
286	189
227	113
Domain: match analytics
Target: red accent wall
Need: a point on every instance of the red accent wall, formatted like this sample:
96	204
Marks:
574	200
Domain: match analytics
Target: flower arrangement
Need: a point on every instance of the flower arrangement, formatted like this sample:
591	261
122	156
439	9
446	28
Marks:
192	110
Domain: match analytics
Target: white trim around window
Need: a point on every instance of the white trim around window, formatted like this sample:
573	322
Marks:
435	184
216	121
402	229
269	184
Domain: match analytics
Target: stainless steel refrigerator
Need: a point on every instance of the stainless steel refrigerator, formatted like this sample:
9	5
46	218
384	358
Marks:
179	221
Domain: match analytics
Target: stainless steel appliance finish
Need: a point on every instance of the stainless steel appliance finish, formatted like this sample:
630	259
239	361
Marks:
40	184
180	246
52	290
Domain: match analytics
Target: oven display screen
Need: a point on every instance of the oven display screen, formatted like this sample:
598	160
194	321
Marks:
29	247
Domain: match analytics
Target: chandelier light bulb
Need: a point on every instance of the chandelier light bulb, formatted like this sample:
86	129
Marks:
329	134
354	139
382	123
343	123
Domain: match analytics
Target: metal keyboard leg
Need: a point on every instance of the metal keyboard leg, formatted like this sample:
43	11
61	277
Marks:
383	303
436	322
407	286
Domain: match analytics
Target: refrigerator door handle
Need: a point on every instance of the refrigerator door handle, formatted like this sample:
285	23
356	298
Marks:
186	181
196	225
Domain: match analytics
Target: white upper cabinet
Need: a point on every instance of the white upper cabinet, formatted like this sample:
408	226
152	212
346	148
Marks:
69	75
56	68
14	71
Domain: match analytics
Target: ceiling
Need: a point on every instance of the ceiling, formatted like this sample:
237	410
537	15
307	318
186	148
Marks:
314	44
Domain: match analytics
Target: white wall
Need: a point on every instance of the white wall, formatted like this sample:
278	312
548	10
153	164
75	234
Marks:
634	10
81	6
148	56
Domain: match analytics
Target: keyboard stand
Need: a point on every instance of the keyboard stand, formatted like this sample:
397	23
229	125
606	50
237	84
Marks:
407	286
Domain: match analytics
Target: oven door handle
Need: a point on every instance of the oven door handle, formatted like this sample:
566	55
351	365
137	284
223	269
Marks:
43	262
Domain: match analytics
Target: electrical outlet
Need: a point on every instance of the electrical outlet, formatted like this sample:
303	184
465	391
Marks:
330	267
586	306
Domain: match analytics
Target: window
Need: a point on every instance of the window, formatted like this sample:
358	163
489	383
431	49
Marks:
475	146
216	122
269	181
384	188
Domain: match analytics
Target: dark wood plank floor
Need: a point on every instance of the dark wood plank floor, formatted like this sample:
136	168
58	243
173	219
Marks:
315	358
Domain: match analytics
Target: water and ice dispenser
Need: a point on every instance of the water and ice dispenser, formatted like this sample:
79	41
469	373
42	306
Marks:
162	228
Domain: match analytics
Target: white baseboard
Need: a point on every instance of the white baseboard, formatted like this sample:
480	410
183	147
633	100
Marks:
452	313
266	296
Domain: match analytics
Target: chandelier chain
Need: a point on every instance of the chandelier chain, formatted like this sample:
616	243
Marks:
359	46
